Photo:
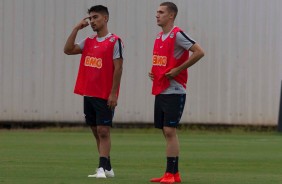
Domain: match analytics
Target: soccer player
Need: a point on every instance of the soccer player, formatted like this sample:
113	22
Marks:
169	75
98	80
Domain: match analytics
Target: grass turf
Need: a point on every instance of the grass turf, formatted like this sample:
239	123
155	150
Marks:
66	156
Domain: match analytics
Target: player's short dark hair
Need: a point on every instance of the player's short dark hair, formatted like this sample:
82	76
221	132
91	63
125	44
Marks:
99	9
171	7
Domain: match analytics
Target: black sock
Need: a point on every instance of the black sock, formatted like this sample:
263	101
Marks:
109	166
103	162
176	166
170	164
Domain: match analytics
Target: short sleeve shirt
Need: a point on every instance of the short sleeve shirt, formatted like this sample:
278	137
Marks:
118	48
183	42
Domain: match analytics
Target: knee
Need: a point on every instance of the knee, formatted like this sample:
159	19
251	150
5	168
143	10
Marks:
103	132
169	133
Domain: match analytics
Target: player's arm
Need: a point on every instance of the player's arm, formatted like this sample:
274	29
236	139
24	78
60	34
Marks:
70	47
197	54
118	62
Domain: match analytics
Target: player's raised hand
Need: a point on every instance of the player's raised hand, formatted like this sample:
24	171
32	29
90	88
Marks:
83	23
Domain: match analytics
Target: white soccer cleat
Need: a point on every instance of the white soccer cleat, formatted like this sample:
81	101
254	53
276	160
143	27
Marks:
110	173
93	175
100	173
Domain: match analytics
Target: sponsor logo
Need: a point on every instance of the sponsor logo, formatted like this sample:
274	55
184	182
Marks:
112	39
93	62
95	47
159	60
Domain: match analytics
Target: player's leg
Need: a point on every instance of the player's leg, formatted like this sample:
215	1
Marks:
90	118
93	108
174	107
105	144
95	133
172	152
158	122
172	143
104	123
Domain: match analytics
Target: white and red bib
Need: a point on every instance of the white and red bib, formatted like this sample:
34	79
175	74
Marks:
95	75
164	61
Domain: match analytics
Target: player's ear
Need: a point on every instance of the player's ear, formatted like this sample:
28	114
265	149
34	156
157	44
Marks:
172	15
106	17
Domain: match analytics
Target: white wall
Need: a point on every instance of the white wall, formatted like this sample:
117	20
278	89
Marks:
238	81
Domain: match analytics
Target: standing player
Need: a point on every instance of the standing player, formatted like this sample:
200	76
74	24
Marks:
169	75
98	80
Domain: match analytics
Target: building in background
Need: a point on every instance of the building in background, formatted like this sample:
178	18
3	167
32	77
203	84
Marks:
238	81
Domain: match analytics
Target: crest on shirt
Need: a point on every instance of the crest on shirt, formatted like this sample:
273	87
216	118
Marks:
112	39
171	35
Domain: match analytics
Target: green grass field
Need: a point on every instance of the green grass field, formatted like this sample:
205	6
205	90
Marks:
66	156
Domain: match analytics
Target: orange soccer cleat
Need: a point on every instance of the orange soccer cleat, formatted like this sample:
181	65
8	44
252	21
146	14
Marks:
168	178
177	178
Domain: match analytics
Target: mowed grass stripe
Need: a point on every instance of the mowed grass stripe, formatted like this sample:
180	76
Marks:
67	156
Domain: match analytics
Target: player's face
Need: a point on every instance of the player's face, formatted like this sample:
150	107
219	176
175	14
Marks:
97	21
163	16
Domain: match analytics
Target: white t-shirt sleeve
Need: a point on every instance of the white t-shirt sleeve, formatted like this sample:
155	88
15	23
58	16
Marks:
118	50
184	41
81	44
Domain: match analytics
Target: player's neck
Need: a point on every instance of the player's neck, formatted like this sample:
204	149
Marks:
103	32
167	28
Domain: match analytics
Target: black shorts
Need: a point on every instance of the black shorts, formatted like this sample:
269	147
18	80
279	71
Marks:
97	112
168	110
